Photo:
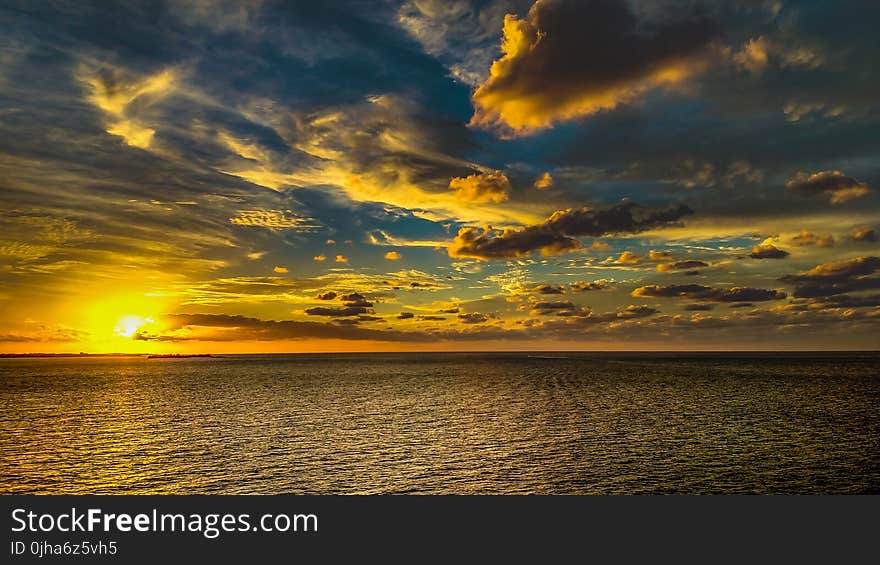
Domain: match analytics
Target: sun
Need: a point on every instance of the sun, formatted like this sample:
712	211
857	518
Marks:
129	325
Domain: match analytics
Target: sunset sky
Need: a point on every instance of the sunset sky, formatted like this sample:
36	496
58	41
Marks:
213	176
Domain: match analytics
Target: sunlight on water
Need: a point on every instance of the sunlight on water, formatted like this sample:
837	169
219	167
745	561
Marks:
463	423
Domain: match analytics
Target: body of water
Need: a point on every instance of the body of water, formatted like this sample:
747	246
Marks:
441	423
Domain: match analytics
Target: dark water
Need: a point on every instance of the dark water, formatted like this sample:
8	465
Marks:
455	423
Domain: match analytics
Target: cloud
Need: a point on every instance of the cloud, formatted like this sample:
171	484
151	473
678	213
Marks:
754	55
837	277
125	100
223	327
341	259
545	289
474	318
834	184
758	53
405	316
557	234
280	270
393	256
585	316
328	295
864	233
768	251
685	265
354	304
698	307
808	238
709	294
319	258
567	59
544	182
547	307
481	187
587	286
274	219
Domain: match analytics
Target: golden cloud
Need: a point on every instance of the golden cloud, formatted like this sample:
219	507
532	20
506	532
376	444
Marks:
481	187
544	182
124	101
569	59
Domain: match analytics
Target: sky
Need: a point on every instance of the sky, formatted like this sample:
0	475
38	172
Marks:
218	176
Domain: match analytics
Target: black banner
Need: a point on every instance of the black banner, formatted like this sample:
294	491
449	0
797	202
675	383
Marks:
144	529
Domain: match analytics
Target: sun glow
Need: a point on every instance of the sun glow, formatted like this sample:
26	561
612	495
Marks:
128	326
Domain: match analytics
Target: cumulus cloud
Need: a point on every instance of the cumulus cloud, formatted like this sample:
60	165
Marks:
353	304
393	256
768	251
405	316
864	233
834	184
808	238
557	234
685	265
837	277
280	270
586	286
548	307
546	289
567	59
481	187
585	316
474	318
709	294
544	182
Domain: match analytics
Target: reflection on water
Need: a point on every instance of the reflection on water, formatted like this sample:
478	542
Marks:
455	423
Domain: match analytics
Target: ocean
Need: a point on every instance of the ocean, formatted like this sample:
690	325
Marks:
456	423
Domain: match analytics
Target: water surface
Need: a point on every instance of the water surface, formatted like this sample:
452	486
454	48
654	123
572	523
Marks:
441	423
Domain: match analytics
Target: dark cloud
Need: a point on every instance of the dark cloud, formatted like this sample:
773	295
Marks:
336	312
570	58
698	307
549	306
329	295
473	318
768	251
709	294
838	277
557	234
224	327
849	301
405	316
689	264
585	316
356	299
834	184
354	304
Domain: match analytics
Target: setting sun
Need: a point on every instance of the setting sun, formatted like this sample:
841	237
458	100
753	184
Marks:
129	325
